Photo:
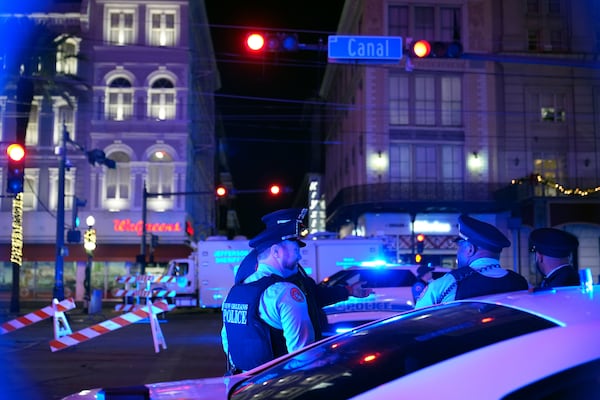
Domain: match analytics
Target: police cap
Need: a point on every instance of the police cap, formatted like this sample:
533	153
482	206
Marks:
552	242
481	234
276	234
285	216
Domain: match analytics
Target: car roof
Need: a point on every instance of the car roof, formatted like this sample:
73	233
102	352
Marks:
518	362
563	305
412	267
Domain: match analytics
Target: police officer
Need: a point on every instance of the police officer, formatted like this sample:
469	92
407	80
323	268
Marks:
553	249
264	316
479	271
317	296
424	277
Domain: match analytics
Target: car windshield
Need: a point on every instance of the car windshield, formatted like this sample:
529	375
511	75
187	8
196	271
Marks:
365	358
374	278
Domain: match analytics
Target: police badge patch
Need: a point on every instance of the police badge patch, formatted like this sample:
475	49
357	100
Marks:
297	295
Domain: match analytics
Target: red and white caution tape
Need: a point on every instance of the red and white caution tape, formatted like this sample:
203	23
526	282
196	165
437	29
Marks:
107	326
145	293
146	278
128	307
36	316
131	307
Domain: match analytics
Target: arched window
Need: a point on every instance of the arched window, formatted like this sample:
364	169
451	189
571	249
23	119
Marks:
66	56
119	105
161	99
64	117
118	182
160	172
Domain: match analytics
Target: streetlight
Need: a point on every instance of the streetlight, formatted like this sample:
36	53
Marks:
89	244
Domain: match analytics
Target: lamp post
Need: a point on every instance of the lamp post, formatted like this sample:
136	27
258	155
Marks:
89	244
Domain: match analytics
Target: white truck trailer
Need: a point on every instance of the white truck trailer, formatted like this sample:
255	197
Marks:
210	269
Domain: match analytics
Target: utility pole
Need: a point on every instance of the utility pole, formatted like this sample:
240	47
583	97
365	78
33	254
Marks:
145	196
59	288
142	259
95	156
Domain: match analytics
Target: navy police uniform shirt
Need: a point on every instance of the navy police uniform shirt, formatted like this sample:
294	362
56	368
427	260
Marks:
282	306
564	275
251	341
488	277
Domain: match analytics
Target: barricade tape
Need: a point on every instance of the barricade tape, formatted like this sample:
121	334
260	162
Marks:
110	325
131	307
145	293
147	278
36	316
128	307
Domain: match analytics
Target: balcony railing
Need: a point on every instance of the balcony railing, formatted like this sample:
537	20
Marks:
416	192
442	197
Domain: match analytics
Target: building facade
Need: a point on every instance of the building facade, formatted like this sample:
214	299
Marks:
146	73
508	132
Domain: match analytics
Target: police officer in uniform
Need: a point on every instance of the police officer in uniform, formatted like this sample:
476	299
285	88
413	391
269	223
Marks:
317	296
424	277
265	316
553	249
479	271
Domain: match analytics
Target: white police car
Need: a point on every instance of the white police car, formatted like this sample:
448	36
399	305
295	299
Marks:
520	345
392	293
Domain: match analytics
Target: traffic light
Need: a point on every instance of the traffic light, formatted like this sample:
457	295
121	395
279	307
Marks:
255	42
271	42
420	243
275	190
421	49
221	191
77	202
16	168
426	49
420	248
97	156
89	240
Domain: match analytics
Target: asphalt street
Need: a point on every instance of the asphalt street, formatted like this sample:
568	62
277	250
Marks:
124	357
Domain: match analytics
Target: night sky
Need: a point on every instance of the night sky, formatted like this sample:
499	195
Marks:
263	97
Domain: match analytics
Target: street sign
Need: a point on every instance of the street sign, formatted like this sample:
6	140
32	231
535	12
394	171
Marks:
364	49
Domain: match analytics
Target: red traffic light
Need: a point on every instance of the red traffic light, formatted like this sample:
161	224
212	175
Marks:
421	48
420	237
221	191
271	42
15	152
15	171
424	49
255	42
274	190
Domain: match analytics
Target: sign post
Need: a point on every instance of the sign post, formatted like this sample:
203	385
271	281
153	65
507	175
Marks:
364	49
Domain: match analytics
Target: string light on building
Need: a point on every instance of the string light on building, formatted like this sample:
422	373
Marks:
537	179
